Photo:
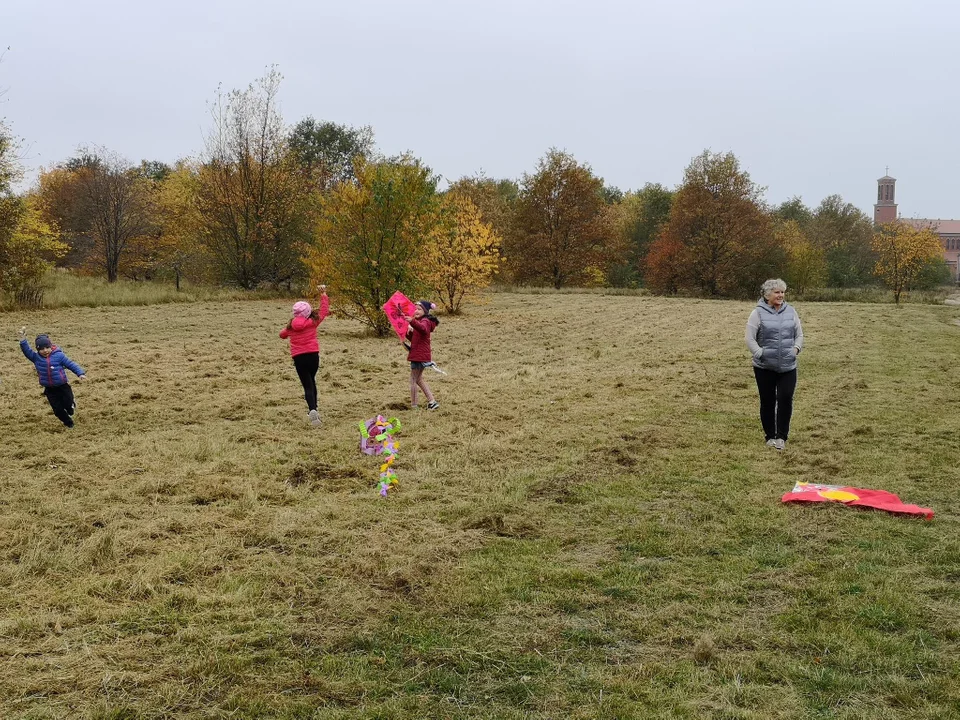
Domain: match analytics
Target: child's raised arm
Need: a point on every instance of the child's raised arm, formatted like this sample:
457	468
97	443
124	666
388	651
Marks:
324	309
25	348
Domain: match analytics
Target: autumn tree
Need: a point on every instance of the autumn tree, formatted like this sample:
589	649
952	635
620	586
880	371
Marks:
11	208
27	253
103	204
496	200
563	232
368	236
178	252
28	244
459	257
718	217
325	151
252	200
902	253
665	265
806	266
639	217
794	210
845	234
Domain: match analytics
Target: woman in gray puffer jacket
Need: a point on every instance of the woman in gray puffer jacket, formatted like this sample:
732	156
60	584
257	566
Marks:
775	338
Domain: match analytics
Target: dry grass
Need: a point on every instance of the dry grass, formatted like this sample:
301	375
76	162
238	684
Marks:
589	527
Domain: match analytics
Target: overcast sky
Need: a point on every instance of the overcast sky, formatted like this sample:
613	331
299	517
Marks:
813	97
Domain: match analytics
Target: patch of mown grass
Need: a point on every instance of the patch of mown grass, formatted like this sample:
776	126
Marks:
589	527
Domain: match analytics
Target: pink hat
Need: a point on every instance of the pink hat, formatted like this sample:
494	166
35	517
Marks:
302	309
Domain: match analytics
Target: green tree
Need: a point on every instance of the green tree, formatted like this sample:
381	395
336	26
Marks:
845	234
934	273
326	151
369	235
642	214
795	210
155	170
563	233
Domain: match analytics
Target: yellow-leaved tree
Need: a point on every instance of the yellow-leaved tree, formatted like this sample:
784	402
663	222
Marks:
368	237
806	265
27	253
183	253
461	255
902	252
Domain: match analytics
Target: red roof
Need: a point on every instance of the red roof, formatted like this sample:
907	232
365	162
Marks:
941	227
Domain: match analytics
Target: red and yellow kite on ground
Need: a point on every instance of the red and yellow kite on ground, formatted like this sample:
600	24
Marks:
879	499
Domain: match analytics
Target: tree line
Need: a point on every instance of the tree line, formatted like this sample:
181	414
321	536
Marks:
267	205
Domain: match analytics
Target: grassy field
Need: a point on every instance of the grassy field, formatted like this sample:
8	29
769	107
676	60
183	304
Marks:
589	527
63	289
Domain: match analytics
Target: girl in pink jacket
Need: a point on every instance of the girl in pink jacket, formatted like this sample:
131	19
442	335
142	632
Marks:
304	348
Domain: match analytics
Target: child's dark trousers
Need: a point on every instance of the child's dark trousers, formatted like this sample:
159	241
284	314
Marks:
60	398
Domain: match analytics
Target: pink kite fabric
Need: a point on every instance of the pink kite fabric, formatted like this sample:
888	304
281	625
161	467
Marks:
397	308
879	499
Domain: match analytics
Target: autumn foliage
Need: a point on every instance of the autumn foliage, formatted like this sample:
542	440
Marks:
368	237
27	251
902	253
718	238
461	254
563	233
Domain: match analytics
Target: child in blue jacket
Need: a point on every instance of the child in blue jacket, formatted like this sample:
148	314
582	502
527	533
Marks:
52	364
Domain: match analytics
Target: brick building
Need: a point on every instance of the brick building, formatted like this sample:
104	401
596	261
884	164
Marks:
949	230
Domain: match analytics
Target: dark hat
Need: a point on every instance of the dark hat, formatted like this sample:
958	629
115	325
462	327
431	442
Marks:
427	306
43	341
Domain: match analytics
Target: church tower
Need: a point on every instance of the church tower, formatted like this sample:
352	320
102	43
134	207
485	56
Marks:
885	210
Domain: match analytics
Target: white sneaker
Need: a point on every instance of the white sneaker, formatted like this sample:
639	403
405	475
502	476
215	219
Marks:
314	417
780	442
771	443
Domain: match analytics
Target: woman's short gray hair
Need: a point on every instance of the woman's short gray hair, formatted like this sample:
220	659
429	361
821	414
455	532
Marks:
770	285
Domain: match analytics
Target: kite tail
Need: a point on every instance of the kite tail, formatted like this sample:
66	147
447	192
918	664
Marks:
377	439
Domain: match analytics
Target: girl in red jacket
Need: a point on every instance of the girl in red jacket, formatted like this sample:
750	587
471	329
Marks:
421	325
302	331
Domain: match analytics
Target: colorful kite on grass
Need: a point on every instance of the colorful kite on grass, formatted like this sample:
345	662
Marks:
879	499
376	438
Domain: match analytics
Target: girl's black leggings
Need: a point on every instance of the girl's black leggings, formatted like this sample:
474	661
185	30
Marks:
307	365
776	401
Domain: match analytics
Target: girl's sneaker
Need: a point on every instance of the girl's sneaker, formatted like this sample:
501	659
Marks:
433	406
314	417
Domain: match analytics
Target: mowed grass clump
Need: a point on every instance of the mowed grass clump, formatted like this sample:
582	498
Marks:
589	527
